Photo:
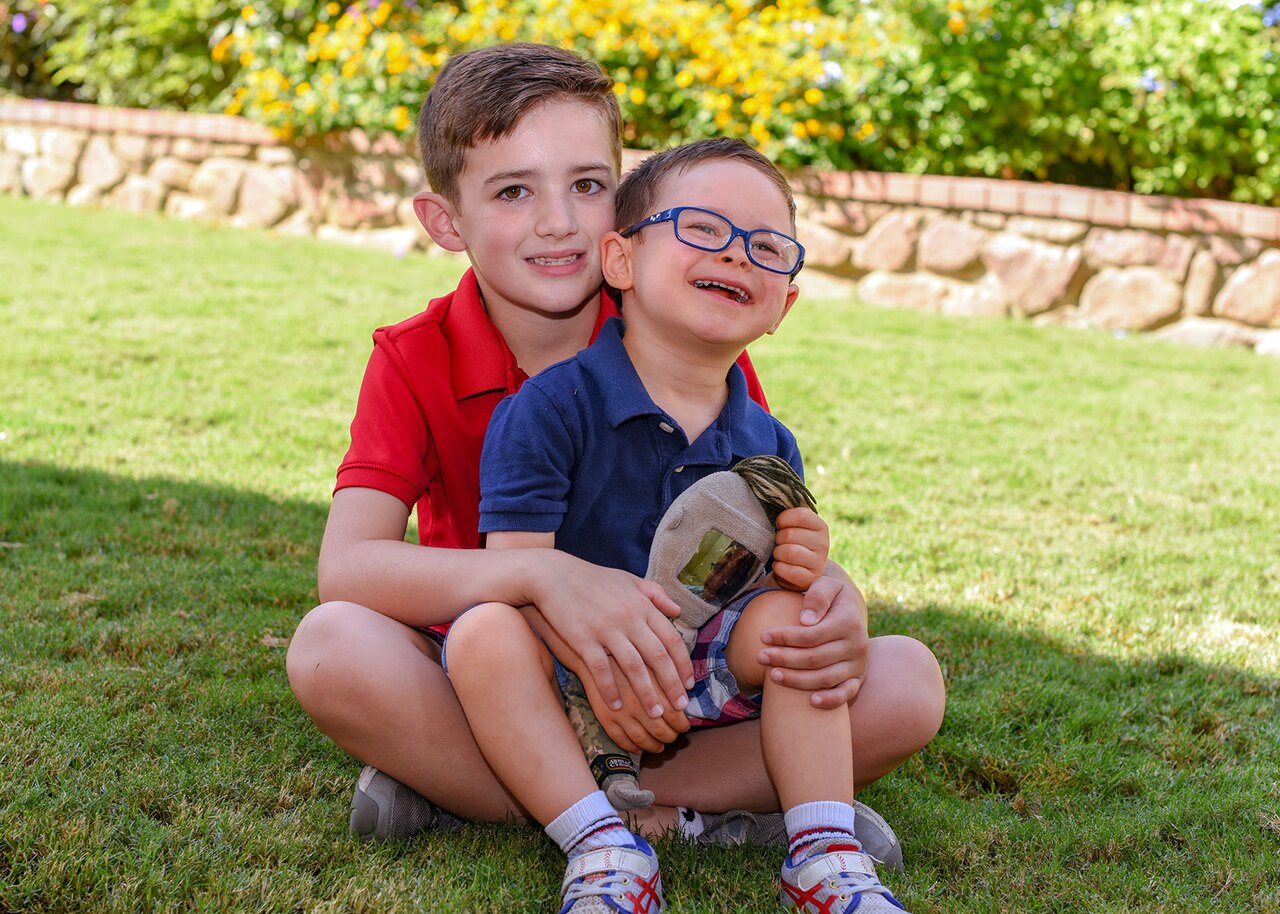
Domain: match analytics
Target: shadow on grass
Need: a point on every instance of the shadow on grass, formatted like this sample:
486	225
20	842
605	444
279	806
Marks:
157	759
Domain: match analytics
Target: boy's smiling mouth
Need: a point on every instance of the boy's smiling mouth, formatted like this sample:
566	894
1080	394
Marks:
736	293
561	261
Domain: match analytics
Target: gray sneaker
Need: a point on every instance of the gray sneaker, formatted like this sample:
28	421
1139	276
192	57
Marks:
767	829
383	809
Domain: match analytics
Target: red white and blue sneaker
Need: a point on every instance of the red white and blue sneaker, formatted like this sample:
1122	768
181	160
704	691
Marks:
613	880
836	879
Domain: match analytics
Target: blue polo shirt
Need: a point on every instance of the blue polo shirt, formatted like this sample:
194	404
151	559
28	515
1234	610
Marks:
582	450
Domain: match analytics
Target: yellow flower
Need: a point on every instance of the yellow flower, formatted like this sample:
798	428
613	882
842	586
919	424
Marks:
799	129
401	114
247	13
332	9
381	14
813	95
303	88
637	96
956	25
684	79
865	131
246	57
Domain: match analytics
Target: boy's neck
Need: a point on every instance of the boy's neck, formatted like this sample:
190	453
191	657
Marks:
537	339
688	384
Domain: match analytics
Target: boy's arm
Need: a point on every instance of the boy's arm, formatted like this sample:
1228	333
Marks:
604	612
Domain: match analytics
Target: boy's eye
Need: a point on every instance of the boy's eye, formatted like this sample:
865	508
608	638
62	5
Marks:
764	246
514	192
706	228
587	186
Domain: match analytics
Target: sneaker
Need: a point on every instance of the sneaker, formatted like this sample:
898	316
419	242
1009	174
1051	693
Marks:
728	829
383	809
613	880
837	879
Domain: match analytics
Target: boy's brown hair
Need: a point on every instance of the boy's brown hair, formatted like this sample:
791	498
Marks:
481	96
640	186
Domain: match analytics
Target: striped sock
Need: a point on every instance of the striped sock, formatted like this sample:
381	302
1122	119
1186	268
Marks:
815	827
588	824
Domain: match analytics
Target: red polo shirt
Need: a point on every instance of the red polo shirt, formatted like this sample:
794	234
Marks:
429	389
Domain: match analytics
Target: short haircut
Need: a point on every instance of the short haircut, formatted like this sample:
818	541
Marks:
640	187
482	95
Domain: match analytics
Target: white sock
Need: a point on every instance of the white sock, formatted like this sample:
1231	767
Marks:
820	823
588	824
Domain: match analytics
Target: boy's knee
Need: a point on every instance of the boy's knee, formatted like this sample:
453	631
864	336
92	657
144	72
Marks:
488	634
919	684
319	635
774	609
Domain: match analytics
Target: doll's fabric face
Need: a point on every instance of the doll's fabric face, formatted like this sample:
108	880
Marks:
713	544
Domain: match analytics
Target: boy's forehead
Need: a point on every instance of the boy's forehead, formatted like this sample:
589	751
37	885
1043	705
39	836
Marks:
732	188
554	138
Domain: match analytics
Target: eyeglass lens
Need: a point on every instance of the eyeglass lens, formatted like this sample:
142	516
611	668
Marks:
709	232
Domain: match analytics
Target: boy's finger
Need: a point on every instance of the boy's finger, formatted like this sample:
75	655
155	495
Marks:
673	646
597	662
636	670
659	598
823	679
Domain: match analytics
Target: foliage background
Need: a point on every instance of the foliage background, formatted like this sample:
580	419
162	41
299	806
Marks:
1162	96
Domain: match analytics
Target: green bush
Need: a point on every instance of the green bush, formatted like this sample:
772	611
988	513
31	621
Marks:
1165	96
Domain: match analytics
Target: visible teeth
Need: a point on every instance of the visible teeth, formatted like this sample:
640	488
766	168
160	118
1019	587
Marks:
554	261
737	293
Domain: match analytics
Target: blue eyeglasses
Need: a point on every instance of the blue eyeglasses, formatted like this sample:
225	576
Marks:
708	231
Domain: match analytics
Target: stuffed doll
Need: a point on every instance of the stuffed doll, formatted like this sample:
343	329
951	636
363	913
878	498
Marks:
714	543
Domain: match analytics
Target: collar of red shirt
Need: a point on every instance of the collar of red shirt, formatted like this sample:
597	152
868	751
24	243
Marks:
482	361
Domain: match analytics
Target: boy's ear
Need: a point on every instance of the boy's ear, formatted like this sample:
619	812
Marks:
437	214
615	261
793	292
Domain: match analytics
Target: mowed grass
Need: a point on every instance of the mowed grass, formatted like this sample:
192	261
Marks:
1084	529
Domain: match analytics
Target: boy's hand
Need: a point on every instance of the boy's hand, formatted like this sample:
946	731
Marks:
604	614
827	652
800	551
631	727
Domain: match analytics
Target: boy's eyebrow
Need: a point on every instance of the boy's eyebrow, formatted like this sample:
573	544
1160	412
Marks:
522	174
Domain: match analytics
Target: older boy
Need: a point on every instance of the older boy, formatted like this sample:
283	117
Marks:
588	456
521	145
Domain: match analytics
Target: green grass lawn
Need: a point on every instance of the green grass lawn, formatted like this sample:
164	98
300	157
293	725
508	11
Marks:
1086	530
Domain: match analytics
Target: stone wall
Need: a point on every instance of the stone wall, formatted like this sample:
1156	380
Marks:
1199	271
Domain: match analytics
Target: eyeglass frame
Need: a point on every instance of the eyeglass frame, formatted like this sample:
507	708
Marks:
673	214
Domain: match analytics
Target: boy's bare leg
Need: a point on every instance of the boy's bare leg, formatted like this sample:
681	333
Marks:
374	686
897	712
806	749
503	675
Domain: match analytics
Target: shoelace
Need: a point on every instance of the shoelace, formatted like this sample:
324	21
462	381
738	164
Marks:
855	884
595	885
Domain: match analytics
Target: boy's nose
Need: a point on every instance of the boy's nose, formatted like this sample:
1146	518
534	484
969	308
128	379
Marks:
736	252
556	217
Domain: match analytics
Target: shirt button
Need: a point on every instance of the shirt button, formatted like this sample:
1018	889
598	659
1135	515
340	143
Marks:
679	469
666	427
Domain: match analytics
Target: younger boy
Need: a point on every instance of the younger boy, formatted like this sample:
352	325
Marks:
587	457
521	144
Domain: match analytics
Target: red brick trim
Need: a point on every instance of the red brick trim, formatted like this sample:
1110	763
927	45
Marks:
219	128
1057	201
